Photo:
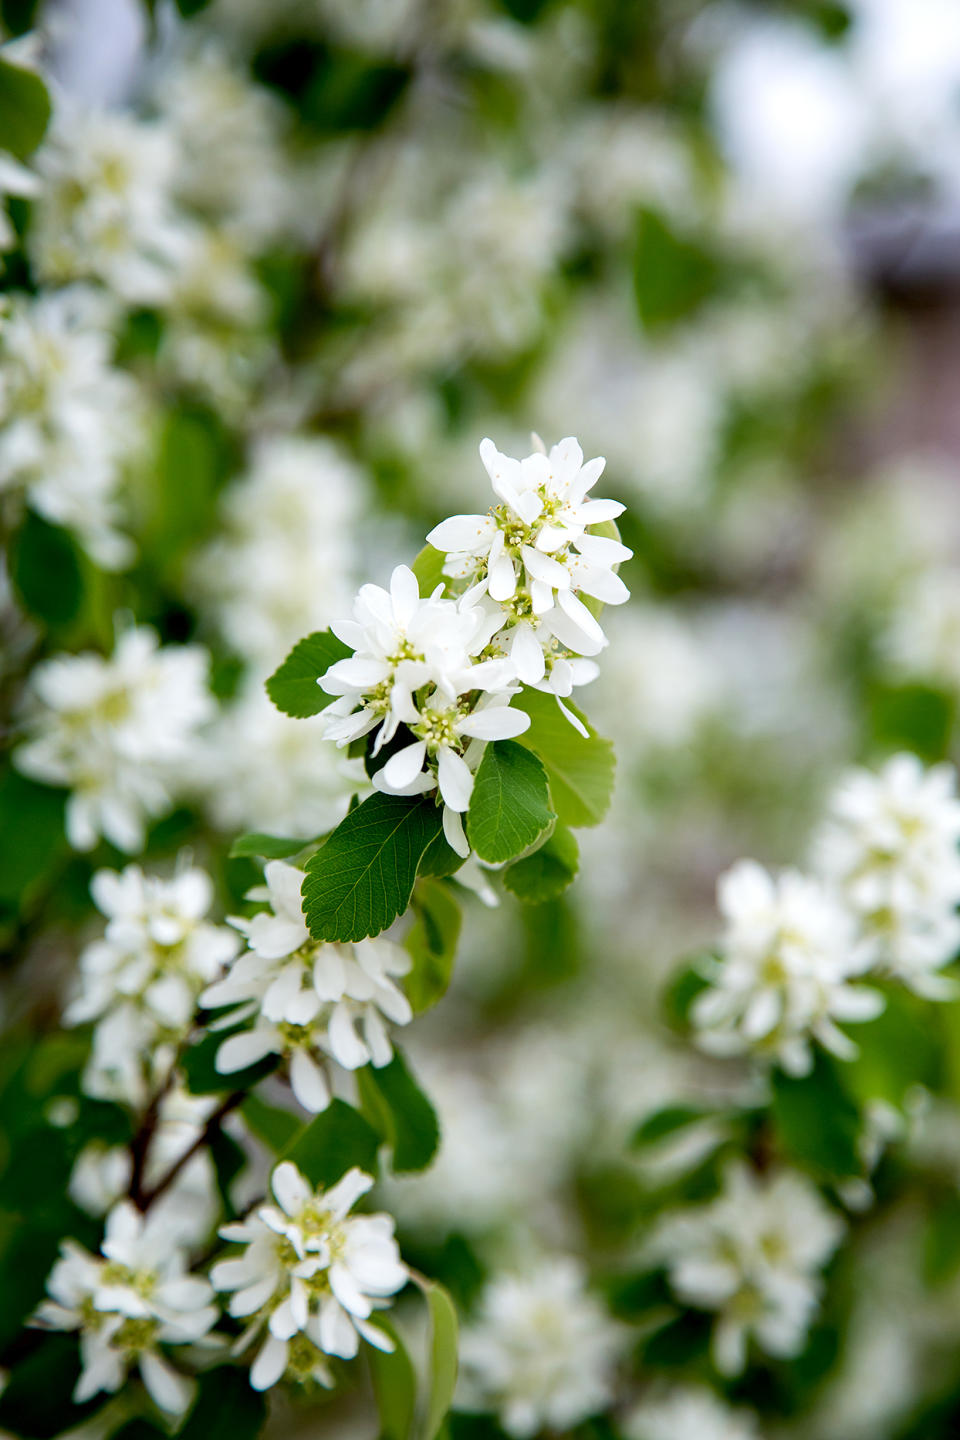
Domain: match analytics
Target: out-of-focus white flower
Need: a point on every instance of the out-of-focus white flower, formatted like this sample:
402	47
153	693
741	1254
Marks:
104	211
690	1413
922	641
542	1351
311	1275
15	179
788	955
128	1304
890	843
283	561
308	998
140	982
753	1256
67	418
117	732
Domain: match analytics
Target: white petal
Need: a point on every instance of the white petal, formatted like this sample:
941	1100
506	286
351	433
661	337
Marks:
575	610
168	1390
270	1364
455	779
454	832
497	722
404	767
292	1191
541	567
345	1045
405	594
308	1082
527	655
245	1049
462	532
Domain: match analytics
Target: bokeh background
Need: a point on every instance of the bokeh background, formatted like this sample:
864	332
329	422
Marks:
718	242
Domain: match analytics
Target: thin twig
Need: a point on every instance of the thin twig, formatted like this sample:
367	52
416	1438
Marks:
209	1132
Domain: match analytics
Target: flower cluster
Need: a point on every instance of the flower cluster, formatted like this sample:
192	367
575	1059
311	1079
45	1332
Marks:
542	1351
753	1256
117	732
447	667
140	982
129	1303
307	999
311	1275
883	902
692	1411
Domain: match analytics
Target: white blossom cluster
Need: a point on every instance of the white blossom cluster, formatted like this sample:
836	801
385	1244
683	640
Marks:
688	1412
447	668
309	1001
542	1352
310	1277
67	416
752	1256
883	902
117	732
139	984
129	1303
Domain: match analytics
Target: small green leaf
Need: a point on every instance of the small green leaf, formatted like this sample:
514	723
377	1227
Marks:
663	1124
440	859
816	1121
277	1128
510	806
428	568
547	872
267	847
432	943
24	110
580	771
442	1356
394	1385
45	569
226	1408
673	273
397	1106
361	878
333	1143
293	687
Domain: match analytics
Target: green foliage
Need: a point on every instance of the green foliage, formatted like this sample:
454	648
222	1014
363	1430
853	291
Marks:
547	872
267	847
32	842
394	1385
580	771
432	943
668	1122
428	568
443	1359
277	1128
510	805
817	1124
45	569
394	1103
673	273
361	878
911	717
897	1050
333	90
194	459
293	687
440	859
331	1144
37	1403
24	110
226	1408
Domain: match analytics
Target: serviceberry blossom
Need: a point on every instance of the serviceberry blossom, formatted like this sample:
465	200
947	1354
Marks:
15	179
889	843
140	982
67	417
310	1276
542	1351
753	1256
129	1303
689	1413
788	956
117	732
310	1001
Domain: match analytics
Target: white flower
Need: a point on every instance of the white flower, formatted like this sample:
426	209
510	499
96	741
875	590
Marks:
890	843
15	179
311	1276
67	418
752	1255
140	982
117	732
541	1352
310	1000
922	640
691	1413
788	954
127	1303
104	209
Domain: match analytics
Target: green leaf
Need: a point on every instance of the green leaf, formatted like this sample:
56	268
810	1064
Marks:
32	842
38	1400
24	110
673	273
268	847
428	568
293	687
330	1145
442	1358
663	1124
394	1385
432	943
547	872
199	1067
913	717
396	1105
510	806
226	1408
277	1128
45	569
817	1123
362	877
580	770
194	461
440	859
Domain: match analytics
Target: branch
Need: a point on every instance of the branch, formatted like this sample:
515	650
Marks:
209	1132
